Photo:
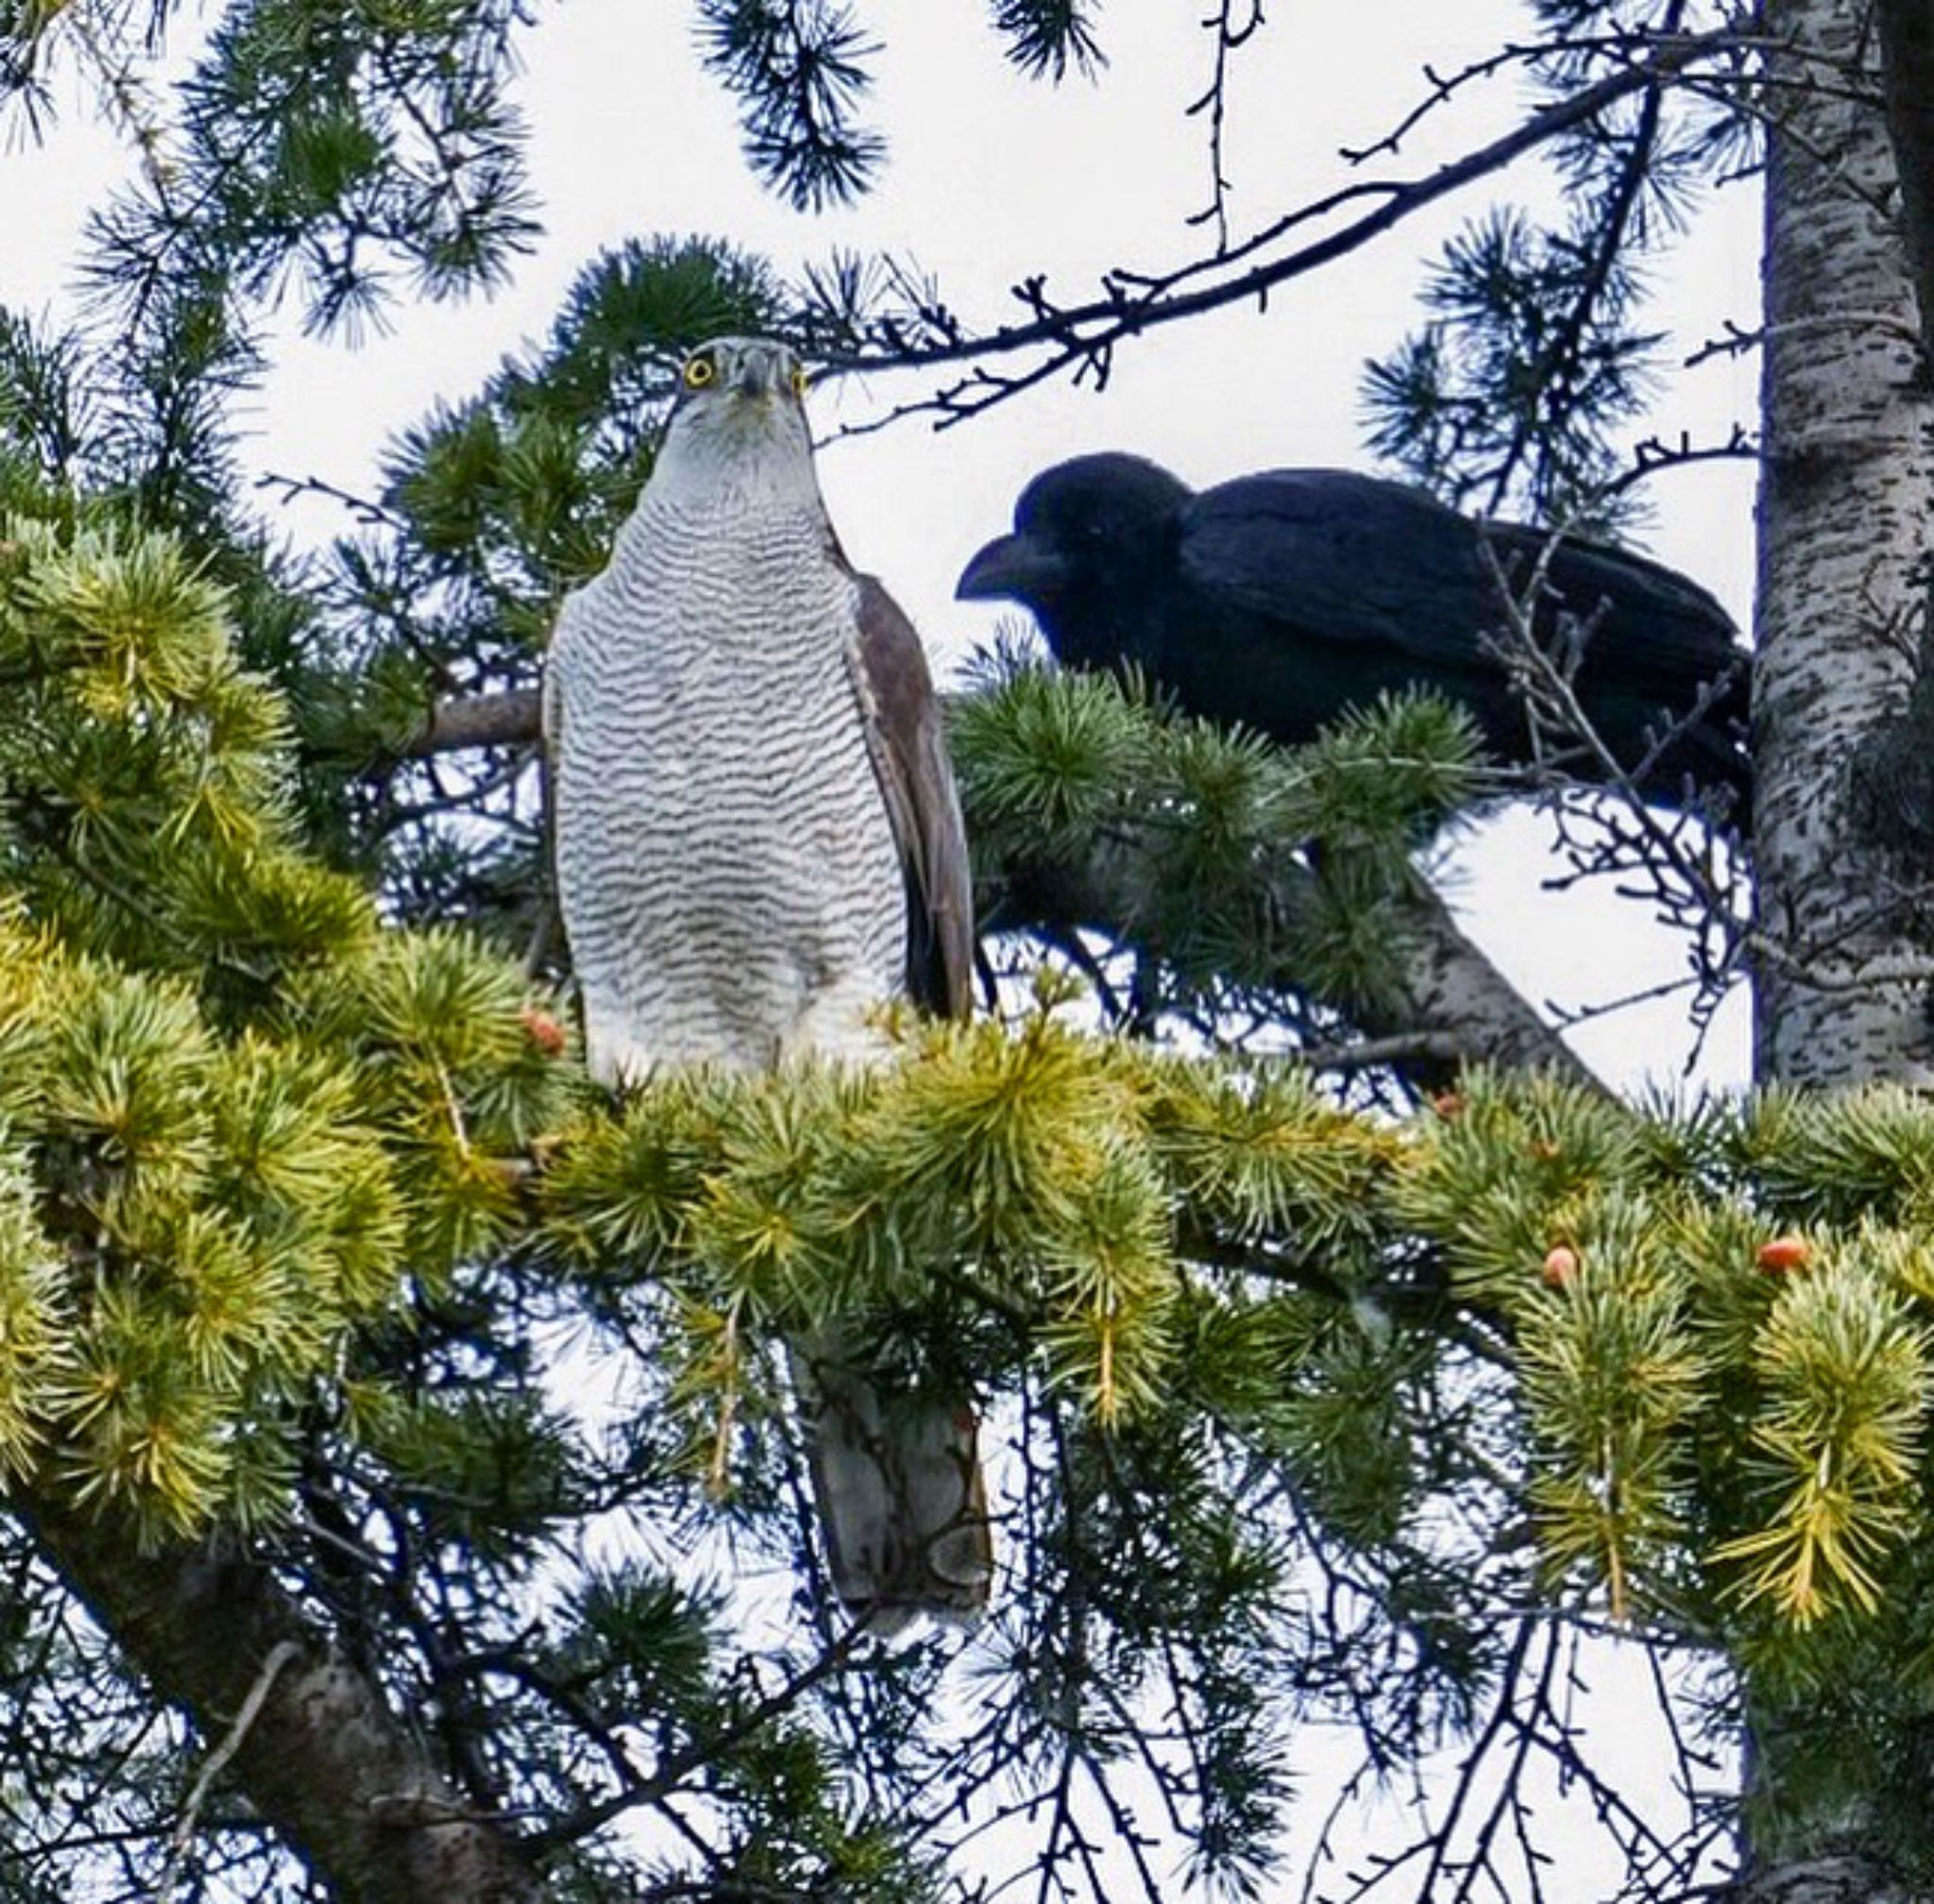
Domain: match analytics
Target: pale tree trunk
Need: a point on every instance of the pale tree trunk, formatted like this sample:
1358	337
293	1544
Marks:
1843	984
1844	1877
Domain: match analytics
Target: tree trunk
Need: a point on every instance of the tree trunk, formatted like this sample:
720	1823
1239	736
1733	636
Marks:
1843	978
1846	1878
1842	981
345	1783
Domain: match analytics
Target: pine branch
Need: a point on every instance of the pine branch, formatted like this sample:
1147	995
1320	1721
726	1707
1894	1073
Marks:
1459	1008
678	1767
1047	37
799	69
1563	367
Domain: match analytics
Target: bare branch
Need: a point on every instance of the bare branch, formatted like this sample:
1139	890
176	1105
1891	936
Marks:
1231	34
284	1653
1081	337
509	718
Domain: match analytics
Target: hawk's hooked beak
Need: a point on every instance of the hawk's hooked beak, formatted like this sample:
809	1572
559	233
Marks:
1015	567
760	374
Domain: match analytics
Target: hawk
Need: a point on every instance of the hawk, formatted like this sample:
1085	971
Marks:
757	844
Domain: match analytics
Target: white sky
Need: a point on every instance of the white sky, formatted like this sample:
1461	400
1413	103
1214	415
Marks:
993	178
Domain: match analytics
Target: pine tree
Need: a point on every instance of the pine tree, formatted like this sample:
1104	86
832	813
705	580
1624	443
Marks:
1352	1352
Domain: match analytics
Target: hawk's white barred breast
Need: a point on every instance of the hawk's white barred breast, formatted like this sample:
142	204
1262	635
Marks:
723	851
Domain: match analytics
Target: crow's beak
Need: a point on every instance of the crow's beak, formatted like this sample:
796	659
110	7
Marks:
1014	566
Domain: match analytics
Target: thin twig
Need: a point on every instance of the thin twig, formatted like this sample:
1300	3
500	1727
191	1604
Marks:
1081	337
280	1655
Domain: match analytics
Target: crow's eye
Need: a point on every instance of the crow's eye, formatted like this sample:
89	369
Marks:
698	372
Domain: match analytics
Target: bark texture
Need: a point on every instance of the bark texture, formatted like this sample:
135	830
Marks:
342	1778
1842	990
1843	1877
1844	498
1454	989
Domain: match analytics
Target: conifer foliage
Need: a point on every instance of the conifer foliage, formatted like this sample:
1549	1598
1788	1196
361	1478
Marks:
404	1495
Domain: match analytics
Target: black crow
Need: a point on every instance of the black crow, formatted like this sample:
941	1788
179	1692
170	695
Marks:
1282	598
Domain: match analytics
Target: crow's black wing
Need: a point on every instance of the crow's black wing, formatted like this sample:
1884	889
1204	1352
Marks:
1342	558
1356	558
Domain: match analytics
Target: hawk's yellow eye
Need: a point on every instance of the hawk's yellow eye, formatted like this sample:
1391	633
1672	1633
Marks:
801	381
698	372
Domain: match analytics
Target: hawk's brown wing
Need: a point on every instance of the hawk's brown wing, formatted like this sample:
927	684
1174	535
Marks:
909	743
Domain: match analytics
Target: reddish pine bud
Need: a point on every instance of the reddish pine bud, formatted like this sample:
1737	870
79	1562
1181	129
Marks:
1784	1255
544	1032
1561	1264
1448	1103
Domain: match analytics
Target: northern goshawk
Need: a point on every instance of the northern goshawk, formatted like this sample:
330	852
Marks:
757	845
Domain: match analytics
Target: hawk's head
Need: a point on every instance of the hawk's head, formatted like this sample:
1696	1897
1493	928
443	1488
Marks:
740	386
740	421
